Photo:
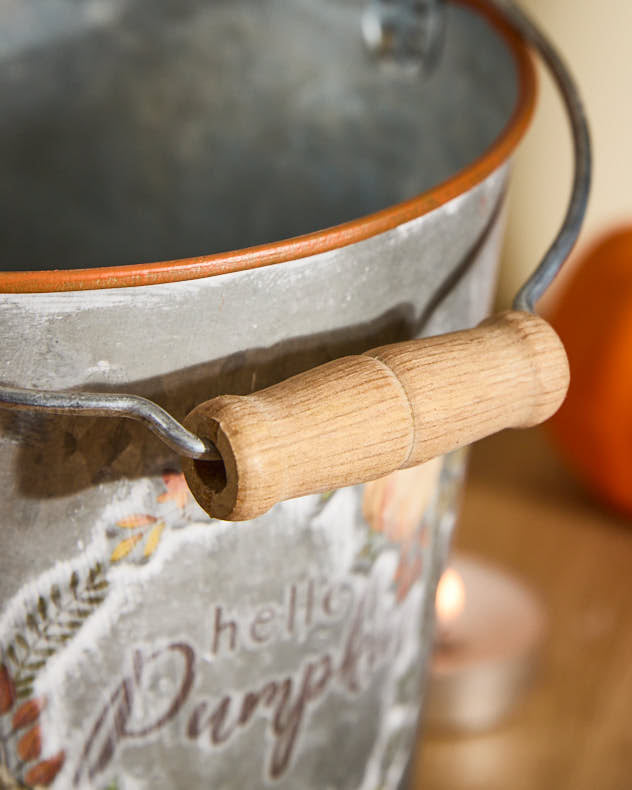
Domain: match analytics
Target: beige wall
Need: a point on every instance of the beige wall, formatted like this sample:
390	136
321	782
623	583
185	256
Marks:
595	38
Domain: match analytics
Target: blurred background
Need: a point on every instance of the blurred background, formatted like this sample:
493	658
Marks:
552	506
594	38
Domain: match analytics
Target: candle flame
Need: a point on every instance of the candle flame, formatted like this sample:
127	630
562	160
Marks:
450	599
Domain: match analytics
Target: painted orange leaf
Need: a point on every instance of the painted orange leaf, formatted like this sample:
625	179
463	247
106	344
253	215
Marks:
137	520
30	745
407	572
46	771
7	690
177	490
123	548
28	712
153	539
394	505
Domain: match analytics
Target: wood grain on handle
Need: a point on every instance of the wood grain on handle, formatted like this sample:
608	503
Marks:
360	417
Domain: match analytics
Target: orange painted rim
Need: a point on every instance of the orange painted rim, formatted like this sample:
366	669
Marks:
318	241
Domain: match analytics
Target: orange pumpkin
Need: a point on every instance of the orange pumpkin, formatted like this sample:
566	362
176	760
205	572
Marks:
593	317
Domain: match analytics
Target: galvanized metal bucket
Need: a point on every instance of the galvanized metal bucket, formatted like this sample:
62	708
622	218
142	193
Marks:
345	204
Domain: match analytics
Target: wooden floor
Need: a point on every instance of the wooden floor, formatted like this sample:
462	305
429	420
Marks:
573	730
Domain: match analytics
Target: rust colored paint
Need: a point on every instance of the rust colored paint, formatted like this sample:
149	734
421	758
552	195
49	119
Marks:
319	241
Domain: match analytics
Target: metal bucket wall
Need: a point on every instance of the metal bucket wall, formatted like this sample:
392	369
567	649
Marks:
143	645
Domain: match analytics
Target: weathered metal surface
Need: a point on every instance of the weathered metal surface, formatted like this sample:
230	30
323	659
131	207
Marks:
171	650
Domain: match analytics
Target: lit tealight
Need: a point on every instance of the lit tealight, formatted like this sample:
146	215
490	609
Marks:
489	627
450	599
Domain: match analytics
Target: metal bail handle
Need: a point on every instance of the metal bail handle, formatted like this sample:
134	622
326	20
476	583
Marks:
361	417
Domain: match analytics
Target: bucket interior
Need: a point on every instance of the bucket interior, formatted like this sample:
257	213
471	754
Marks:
140	130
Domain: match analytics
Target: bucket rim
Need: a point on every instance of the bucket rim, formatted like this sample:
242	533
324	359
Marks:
320	241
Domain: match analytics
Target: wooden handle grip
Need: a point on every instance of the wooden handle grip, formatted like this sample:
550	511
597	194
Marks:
360	417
